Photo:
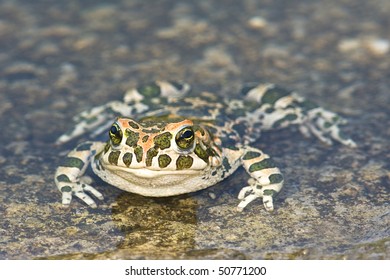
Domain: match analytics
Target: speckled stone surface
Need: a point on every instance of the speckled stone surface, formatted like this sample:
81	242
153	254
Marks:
61	58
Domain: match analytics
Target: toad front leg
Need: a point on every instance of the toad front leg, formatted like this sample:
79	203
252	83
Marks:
266	180
68	174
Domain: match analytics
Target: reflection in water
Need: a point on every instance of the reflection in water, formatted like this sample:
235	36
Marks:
156	227
163	228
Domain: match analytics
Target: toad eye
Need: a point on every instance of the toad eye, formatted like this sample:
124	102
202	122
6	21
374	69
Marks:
185	138
115	134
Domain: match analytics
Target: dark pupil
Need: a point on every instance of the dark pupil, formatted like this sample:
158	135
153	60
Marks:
115	134
187	134
114	129
185	138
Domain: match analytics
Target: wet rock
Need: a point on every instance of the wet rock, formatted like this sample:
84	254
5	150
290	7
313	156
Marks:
60	60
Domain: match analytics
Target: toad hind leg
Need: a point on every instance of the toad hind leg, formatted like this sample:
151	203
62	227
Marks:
266	179
68	174
279	108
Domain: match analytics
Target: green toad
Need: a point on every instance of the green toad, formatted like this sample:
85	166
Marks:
173	142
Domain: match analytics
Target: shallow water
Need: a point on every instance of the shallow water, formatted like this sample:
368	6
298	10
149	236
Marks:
60	58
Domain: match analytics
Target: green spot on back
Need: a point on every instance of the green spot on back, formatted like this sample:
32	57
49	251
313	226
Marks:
163	141
264	164
113	157
72	162
150	130
274	94
164	161
133	125
184	162
132	138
